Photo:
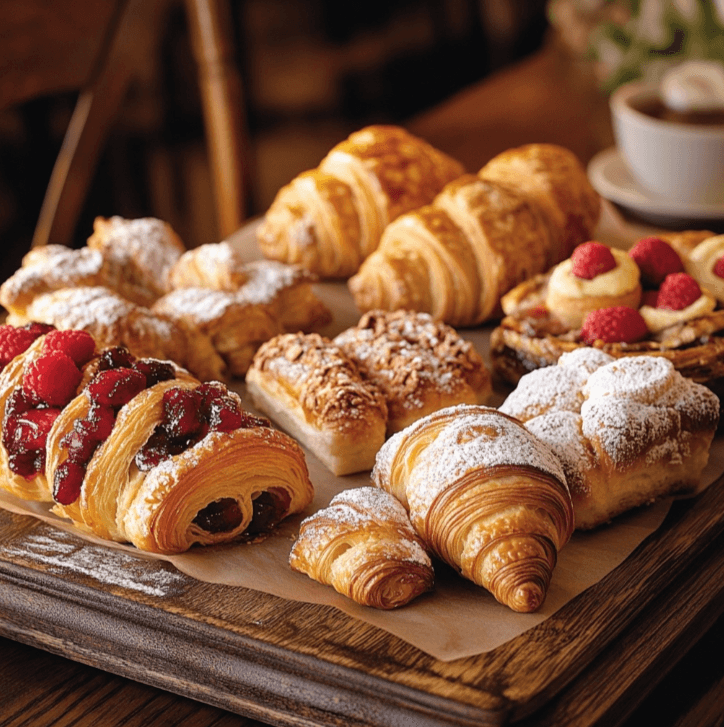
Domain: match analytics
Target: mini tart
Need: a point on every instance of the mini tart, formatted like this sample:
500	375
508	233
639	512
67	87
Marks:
530	337
571	298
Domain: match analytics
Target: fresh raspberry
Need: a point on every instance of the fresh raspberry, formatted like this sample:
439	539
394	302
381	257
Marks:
678	291
79	345
719	267
619	324
13	341
656	259
591	259
52	378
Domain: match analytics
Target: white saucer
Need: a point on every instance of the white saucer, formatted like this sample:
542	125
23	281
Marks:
611	179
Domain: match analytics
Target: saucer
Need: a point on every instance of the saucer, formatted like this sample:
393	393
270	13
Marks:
611	178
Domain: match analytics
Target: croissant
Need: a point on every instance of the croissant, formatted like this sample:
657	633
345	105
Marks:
485	496
329	219
362	544
481	235
136	450
112	320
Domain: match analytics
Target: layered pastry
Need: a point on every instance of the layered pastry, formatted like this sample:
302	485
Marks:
135	450
420	365
481	236
363	545
627	431
342	397
677	316
485	496
329	219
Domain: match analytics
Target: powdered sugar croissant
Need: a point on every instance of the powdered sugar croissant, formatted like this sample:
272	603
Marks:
329	219
137	450
362	544
485	496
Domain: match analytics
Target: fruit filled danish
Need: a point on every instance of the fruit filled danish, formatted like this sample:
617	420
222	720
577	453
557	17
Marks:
363	545
137	450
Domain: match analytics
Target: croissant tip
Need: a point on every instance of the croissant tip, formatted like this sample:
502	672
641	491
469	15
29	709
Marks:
527	598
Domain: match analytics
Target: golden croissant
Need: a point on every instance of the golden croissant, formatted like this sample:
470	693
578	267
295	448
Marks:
481	235
137	450
485	496
362	544
329	219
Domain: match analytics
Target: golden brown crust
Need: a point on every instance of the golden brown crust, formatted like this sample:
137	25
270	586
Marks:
215	265
484	495
419	364
363	545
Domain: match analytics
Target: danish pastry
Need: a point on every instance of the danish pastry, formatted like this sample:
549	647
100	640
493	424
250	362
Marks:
485	496
627	431
362	544
135	450
329	219
480	236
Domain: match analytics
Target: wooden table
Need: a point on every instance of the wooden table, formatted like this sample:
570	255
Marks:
643	646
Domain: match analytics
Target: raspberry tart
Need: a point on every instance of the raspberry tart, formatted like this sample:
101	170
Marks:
670	311
136	449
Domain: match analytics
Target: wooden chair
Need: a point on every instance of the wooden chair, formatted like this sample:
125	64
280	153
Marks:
50	47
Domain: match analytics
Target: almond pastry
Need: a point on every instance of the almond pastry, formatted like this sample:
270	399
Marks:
362	544
329	219
485	496
627	431
139	451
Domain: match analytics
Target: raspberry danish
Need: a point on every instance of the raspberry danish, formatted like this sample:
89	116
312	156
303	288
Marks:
137	450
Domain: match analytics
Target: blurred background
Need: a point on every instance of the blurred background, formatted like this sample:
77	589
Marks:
312	72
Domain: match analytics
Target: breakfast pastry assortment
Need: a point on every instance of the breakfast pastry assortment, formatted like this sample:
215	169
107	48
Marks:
483	234
343	397
363	545
135	284
330	218
136	449
628	431
663	297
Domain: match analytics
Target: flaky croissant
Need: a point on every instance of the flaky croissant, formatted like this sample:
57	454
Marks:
136	450
329	219
481	235
362	544
485	496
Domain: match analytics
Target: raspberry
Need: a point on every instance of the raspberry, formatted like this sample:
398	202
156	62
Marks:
719	267
13	341
619	324
656	259
154	370
115	357
30	430
79	345
591	259
38	329
678	291
115	387
67	482
181	412
52	378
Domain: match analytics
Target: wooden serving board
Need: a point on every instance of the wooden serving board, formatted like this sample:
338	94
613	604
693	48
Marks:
291	663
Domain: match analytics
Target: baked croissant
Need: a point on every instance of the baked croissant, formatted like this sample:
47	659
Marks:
481	235
136	450
362	544
329	219
485	496
112	320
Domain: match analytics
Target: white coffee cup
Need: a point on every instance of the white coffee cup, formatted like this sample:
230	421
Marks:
682	162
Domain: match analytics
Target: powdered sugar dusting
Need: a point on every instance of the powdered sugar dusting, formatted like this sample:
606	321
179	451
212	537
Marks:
268	278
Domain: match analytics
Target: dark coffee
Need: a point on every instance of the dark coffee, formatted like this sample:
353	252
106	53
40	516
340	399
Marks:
656	108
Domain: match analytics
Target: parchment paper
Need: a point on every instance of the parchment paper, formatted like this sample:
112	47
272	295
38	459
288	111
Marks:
457	619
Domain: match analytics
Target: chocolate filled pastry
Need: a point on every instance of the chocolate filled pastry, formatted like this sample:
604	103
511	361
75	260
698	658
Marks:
420	365
645	301
627	431
136	450
329	219
309	387
113	320
481	236
235	327
485	496
363	545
